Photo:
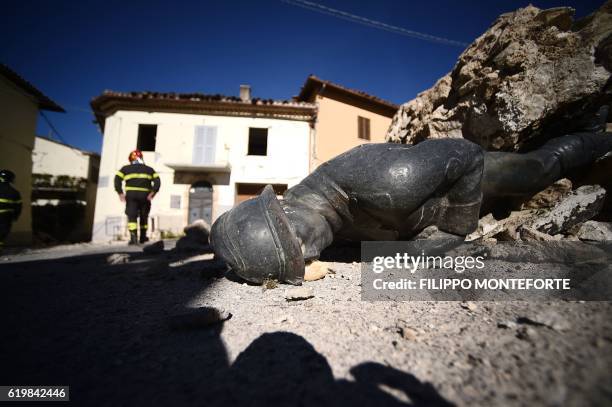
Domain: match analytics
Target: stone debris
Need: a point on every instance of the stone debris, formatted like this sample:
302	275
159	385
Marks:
269	284
199	318
507	324
549	197
526	333
191	259
427	233
470	306
118	258
316	271
195	239
154	248
433	233
594	231
543	224
199	229
581	205
299	294
548	318
532	69
283	319
406	332
532	235
488	226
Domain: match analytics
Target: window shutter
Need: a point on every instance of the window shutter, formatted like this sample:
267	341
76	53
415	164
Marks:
210	144
363	128
204	145
198	145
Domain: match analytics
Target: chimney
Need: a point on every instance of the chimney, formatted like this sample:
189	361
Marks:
245	93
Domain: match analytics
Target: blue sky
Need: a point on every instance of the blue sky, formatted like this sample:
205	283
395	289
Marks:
73	50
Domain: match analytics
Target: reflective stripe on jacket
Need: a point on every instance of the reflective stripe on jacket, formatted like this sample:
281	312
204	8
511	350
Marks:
137	177
10	200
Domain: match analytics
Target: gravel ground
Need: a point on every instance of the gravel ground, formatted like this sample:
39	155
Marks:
112	333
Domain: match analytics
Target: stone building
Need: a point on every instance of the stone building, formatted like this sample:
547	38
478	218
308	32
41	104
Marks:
345	118
64	186
210	151
20	103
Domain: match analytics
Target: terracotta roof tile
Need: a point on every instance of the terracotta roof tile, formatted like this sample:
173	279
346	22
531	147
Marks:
203	97
315	85
199	103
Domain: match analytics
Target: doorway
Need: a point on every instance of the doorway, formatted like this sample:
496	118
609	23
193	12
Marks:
200	202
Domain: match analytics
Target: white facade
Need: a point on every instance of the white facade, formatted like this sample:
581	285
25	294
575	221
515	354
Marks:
51	157
181	159
58	160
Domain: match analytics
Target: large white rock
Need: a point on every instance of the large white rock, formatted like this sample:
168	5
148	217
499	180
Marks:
196	237
531	74
581	205
595	231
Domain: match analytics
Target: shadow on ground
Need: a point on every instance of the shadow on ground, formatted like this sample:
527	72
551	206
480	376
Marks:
103	330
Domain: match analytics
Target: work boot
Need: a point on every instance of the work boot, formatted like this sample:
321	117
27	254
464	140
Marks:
133	238
143	236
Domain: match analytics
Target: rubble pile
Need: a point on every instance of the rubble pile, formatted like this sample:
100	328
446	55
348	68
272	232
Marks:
568	219
532	75
195	239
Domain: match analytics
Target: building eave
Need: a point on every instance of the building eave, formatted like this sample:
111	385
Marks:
107	104
314	86
85	152
43	101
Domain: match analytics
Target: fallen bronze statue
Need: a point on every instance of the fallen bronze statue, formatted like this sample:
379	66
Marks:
389	192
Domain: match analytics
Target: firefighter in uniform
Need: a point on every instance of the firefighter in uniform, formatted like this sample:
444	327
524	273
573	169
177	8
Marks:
141	185
10	204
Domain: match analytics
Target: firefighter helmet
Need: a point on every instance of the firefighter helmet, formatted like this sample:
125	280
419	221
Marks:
134	155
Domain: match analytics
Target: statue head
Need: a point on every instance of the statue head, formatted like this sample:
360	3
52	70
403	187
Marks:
256	240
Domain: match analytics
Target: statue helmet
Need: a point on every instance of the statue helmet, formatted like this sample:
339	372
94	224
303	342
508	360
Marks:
256	240
7	176
134	155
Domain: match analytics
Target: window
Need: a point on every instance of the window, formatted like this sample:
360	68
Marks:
258	141
147	136
204	145
175	202
363	126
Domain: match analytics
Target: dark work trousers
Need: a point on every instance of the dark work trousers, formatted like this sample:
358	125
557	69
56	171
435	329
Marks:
137	206
5	227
